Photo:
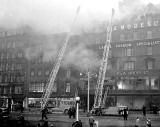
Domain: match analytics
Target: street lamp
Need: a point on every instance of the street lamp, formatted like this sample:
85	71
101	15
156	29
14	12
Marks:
77	105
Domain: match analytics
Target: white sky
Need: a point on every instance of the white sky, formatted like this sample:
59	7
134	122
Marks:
57	15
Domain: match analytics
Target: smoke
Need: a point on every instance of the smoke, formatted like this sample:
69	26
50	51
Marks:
82	57
50	17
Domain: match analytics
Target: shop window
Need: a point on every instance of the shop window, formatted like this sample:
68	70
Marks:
129	65
149	51
128	51
149	34
67	87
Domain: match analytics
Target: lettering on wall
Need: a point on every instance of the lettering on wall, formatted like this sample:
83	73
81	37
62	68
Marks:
140	43
137	25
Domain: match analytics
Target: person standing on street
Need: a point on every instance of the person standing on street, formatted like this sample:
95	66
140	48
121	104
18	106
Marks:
125	114
91	121
44	112
144	110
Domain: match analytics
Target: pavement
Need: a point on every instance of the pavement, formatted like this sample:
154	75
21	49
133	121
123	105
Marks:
61	120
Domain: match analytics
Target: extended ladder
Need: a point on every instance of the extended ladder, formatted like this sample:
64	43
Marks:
103	67
50	84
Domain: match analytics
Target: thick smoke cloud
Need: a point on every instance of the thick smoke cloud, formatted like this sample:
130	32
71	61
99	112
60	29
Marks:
50	16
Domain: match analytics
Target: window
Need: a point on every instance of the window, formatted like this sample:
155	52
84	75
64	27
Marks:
32	73
39	73
68	74
19	54
18	90
67	87
0	78
5	90
47	72
36	87
135	37
7	66
149	51
1	67
2	55
129	65
122	37
12	67
128	52
19	67
10	90
13	55
54	89
149	34
150	65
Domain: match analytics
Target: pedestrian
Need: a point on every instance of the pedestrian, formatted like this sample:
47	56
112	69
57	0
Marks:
144	110
125	114
91	121
137	122
70	112
38	125
73	112
44	112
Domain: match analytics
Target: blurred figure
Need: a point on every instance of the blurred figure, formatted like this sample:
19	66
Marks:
137	122
144	110
44	112
70	112
91	121
148	122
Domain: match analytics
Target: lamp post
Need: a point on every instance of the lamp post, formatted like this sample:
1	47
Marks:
77	106
88	92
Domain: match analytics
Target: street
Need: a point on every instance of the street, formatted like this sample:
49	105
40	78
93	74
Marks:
60	120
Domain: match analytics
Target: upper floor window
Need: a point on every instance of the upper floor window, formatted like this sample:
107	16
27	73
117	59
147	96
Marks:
122	37
54	88
129	65
68	73
32	73
135	37
67	87
47	72
149	65
149	34
149	51
128	51
5	90
19	54
18	90
39	73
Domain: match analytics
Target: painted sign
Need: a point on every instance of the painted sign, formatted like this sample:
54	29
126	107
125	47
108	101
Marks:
154	23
